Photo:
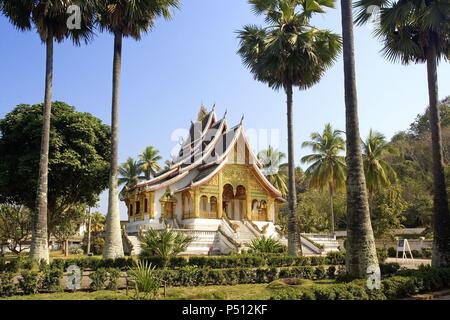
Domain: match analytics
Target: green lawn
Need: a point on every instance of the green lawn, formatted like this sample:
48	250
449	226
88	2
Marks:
237	292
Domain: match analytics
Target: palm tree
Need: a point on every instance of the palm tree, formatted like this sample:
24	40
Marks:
149	162
130	173
271	160
49	18
327	165
123	18
379	174
361	253
164	244
416	32
285	54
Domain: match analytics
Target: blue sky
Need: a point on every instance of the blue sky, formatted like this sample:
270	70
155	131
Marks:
192	60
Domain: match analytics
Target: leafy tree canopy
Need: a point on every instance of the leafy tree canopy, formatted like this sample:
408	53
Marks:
78	159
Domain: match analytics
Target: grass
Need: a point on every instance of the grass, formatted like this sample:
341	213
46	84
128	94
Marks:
236	292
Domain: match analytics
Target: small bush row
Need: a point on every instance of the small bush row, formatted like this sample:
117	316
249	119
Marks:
30	282
424	253
402	285
191	276
247	261
93	263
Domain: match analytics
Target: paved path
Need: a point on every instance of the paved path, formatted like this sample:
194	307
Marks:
409	263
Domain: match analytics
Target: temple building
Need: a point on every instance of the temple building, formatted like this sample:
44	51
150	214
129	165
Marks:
213	190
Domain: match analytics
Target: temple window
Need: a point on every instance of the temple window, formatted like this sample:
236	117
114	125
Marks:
263	211
138	207
187	205
213	204
204	206
146	205
131	210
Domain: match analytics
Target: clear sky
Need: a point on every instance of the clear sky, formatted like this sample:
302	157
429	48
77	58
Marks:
192	60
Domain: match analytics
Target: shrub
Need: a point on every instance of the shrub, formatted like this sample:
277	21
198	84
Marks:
391	252
163	243
97	246
113	279
98	279
75	250
7	286
319	272
426	253
50	281
335	258
331	272
29	282
382	255
145	279
266	245
389	269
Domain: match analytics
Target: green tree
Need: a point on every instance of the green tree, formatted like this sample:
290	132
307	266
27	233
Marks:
164	244
49	18
271	160
285	54
149	161
68	227
123	18
379	174
415	31
78	159
15	226
360	245
130	173
387	211
327	167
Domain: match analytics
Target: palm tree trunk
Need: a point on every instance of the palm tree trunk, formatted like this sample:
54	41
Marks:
331	209
39	241
113	239
88	251
361	251
441	238
293	233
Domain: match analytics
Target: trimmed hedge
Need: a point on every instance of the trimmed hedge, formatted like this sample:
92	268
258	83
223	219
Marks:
405	284
213	262
192	276
93	263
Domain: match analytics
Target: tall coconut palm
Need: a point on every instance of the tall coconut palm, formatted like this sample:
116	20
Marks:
415	31
49	19
289	53
379	174
361	252
130	173
123	18
149	162
272	161
327	167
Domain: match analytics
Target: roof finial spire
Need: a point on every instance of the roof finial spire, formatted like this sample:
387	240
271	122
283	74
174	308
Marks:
213	107
202	113
242	119
225	114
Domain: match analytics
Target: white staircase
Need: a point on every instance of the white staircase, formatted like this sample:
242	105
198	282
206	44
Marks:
134	243
243	233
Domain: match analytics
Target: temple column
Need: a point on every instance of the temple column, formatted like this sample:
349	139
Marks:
248	198
196	203
269	209
151	205
220	197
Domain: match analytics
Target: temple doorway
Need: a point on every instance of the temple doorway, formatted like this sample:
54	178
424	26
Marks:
234	203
